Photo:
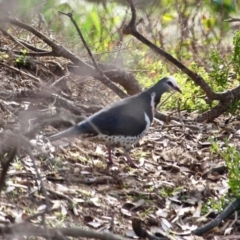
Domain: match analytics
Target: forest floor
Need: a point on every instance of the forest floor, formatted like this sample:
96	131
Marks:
180	184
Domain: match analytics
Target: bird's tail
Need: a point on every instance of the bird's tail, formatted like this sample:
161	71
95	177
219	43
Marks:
70	132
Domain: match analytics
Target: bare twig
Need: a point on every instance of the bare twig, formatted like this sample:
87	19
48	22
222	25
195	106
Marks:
23	73
60	80
31	54
100	74
22	44
131	29
233	19
69	199
39	214
179	114
39	178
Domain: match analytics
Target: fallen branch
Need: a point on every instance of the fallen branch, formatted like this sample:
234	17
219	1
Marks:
99	73
229	210
27	230
60	51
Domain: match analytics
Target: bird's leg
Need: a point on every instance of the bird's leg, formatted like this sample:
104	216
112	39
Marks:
130	161
109	149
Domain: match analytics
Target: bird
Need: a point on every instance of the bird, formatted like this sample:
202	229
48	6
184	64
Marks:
122	123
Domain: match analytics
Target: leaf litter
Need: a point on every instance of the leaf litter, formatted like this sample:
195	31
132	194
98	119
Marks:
170	187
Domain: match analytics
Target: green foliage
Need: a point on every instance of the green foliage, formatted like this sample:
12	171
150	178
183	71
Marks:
231	155
166	191
213	205
236	53
218	78
22	59
93	21
98	23
222	8
234	107
192	98
220	70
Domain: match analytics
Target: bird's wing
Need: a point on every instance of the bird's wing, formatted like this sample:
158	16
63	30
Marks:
118	120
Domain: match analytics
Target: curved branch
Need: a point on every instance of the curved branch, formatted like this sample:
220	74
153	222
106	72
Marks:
231	208
213	113
198	80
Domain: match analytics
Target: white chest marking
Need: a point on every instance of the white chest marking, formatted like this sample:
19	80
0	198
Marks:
153	95
147	119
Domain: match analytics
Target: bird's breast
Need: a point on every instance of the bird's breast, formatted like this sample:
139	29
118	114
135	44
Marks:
118	141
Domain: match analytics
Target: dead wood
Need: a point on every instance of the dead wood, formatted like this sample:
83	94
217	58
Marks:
27	229
60	51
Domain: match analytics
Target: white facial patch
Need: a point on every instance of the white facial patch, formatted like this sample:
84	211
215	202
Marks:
147	119
173	81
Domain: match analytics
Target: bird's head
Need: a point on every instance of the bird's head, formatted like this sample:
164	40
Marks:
163	85
171	84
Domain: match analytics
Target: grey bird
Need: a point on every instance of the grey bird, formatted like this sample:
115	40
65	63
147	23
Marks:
124	122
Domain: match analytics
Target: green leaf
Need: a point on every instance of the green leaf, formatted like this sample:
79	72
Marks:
95	19
167	17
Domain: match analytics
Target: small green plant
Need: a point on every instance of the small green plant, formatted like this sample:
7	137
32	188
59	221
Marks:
220	69
213	205
166	191
22	59
236	53
231	155
232	158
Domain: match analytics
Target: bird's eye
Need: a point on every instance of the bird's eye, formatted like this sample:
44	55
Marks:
170	84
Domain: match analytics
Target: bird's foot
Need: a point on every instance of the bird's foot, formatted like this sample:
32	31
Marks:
131	163
109	163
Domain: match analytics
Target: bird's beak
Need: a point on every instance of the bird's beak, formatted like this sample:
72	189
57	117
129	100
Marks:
176	88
